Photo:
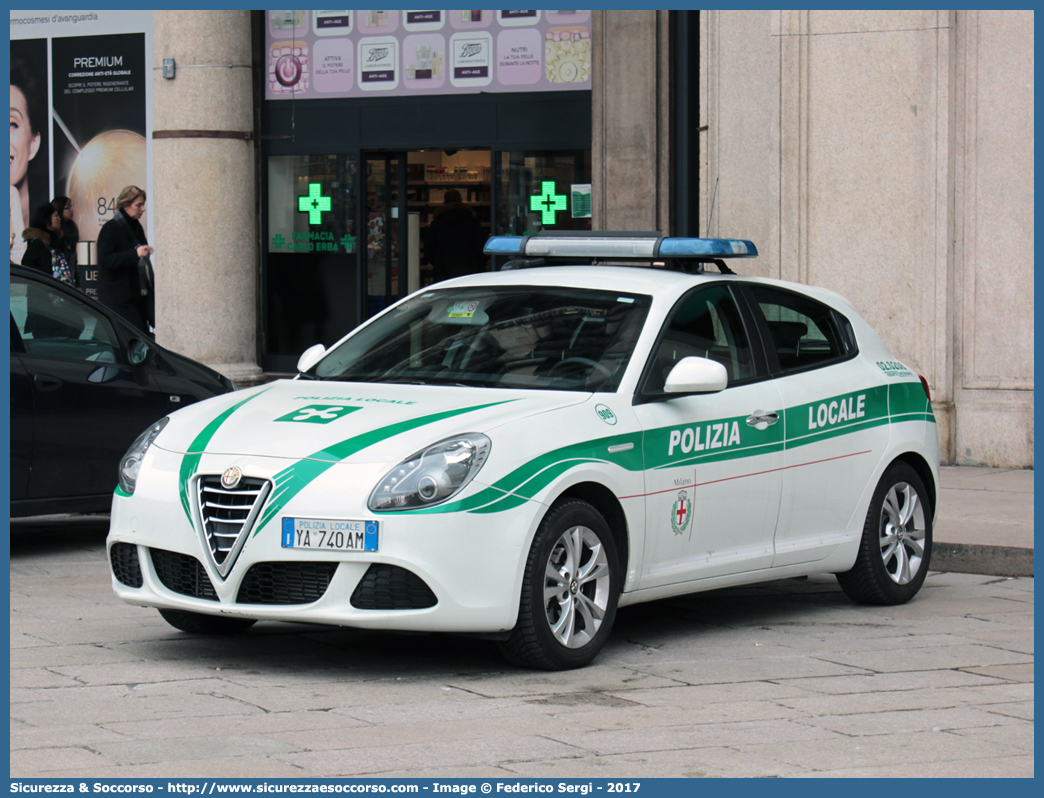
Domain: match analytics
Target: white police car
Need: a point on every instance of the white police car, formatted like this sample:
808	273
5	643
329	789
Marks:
518	453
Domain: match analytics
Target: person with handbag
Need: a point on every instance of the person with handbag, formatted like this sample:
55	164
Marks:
124	268
45	250
70	231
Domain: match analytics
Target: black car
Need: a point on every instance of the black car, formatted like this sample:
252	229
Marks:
84	384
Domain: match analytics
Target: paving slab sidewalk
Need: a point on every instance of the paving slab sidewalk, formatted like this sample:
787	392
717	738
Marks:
985	522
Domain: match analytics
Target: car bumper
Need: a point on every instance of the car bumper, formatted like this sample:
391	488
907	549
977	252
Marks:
471	562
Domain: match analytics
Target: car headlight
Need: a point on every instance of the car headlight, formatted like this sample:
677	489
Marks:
432	475
130	465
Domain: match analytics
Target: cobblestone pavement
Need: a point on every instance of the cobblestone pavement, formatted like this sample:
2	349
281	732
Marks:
784	679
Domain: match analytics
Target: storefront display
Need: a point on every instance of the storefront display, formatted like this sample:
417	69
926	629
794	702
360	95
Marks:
315	54
396	142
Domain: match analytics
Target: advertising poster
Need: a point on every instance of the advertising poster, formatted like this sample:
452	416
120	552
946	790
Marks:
411	53
98	122
80	116
30	180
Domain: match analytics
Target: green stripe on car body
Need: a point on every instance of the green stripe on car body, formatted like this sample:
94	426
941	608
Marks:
529	479
293	479
908	402
717	439
666	447
596	450
709	441
190	461
526	482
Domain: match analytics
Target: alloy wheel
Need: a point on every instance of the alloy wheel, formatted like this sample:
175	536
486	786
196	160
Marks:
902	533
576	587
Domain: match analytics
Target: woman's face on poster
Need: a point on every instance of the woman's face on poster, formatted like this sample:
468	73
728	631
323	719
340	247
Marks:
24	142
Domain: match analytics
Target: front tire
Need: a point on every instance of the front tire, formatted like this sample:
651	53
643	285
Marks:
198	623
896	547
569	591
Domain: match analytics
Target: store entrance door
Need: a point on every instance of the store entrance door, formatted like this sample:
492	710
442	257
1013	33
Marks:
387	255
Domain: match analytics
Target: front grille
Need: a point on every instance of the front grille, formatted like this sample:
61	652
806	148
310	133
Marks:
227	515
285	582
125	565
183	574
389	587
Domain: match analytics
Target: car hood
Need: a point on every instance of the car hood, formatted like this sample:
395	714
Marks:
330	422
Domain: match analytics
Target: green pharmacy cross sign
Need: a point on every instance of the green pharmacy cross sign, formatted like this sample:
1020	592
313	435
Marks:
547	202
314	203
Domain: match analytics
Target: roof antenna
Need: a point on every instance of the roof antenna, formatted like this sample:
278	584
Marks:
710	215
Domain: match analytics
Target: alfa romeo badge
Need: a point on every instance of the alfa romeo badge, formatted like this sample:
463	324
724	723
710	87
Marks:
231	477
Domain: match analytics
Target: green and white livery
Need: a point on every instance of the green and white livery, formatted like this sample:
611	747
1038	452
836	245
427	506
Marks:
518	453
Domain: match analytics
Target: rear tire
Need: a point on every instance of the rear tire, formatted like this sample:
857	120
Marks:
198	623
569	591
896	547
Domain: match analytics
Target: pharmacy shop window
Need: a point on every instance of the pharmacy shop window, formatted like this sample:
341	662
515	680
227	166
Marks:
538	190
311	282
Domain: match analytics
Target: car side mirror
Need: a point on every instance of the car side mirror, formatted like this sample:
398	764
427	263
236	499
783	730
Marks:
697	375
137	352
310	357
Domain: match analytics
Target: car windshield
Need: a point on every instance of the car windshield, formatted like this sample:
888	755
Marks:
548	338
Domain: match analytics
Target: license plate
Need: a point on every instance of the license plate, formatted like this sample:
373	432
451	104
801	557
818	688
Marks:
330	534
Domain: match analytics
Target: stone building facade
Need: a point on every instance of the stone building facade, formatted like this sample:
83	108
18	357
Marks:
887	155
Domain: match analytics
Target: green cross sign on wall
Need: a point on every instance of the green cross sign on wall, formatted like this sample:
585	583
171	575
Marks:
548	202
314	204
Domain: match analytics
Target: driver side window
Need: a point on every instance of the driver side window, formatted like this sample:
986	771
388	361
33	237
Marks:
706	324
53	324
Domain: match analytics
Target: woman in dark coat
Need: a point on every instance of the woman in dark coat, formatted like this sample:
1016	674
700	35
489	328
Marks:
44	249
121	244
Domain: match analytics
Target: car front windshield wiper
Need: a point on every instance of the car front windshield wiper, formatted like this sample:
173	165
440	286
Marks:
409	380
375	378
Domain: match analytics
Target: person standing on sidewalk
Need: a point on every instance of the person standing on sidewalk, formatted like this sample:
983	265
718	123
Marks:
70	232
124	268
45	251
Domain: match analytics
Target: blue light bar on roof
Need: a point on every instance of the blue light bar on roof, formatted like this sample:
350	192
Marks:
594	246
503	245
707	248
619	246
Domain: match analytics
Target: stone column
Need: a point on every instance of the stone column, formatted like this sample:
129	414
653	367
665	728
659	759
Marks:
204	208
630	130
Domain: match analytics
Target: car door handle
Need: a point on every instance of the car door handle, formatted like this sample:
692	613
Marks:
46	382
761	419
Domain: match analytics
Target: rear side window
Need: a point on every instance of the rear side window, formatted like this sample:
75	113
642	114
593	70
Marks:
805	334
54	324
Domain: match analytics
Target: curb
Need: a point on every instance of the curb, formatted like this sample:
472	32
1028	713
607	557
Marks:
973	558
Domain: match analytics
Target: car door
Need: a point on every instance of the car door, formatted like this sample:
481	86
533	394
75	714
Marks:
836	420
88	402
712	461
